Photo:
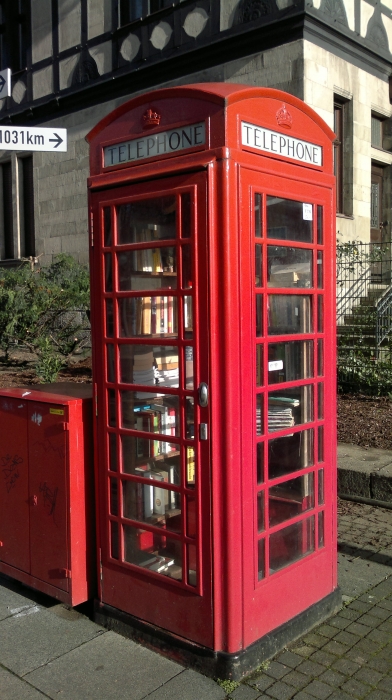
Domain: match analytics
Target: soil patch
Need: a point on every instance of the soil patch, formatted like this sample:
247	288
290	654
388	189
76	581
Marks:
21	372
365	421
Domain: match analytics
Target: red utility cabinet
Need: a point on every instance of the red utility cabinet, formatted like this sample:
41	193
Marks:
47	537
213	297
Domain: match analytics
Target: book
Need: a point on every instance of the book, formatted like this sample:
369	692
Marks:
283	400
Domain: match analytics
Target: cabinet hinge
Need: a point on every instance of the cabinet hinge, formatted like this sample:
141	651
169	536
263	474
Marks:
91	229
65	573
96	399
64	426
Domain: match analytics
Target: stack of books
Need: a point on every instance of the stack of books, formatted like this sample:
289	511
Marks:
167	371
143	372
280	412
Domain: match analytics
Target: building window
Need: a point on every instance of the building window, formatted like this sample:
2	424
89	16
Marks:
7	247
14	34
131	10
377	132
343	156
17	232
26	207
338	152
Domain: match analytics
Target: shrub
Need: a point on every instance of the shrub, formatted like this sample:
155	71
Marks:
40	309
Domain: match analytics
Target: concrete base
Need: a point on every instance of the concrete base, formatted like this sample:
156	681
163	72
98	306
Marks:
365	473
216	664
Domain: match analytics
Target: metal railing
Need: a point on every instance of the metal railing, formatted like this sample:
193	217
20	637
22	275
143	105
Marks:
364	316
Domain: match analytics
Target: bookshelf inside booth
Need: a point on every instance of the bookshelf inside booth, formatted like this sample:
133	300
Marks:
148	269
289	396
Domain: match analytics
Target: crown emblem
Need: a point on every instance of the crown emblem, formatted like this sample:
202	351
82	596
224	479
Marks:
283	117
151	118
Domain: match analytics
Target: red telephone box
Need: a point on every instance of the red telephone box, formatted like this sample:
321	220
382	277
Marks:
212	259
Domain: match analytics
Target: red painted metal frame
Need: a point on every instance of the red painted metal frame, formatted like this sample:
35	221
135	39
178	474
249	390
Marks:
48	541
243	609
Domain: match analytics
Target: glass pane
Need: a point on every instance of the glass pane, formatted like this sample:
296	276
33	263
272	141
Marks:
260	462
259	365
259	414
258	266
260	511
108	273
107	227
188	316
321	486
290	361
149	364
112	452
112	408
187	274
320	358
258	215
150	502
138	457
110	363
114	552
109	318
186	215
289	314
321	444
153	552
259	315
291	498
289	407
320	410
321	540
189	417
320	270
289	220
289	267
291	543
192	564
146	220
190	466
261	558
152	413
147	268
189	370
320	236
148	316
320	314
290	453
113	489
191	516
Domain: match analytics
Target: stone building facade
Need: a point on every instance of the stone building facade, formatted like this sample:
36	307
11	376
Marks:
73	61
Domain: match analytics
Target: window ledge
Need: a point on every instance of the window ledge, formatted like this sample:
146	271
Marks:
344	216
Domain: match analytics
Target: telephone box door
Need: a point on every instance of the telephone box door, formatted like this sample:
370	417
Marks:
151	325
289	266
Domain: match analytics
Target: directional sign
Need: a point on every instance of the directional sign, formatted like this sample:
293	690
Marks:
25	138
5	83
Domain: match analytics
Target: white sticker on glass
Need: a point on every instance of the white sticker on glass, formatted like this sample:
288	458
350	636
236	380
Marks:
307	212
273	366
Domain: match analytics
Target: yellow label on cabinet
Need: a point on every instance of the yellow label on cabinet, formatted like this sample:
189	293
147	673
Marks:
57	411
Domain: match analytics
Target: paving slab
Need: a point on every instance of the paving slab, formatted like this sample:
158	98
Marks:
189	685
14	688
35	636
11	602
109	667
357	575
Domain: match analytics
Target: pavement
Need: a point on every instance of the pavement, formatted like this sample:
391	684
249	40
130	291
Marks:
50	651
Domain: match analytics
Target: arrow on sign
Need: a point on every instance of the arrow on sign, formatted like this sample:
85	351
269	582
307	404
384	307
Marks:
2	83
57	140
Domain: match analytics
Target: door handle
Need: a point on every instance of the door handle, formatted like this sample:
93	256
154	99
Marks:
203	395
